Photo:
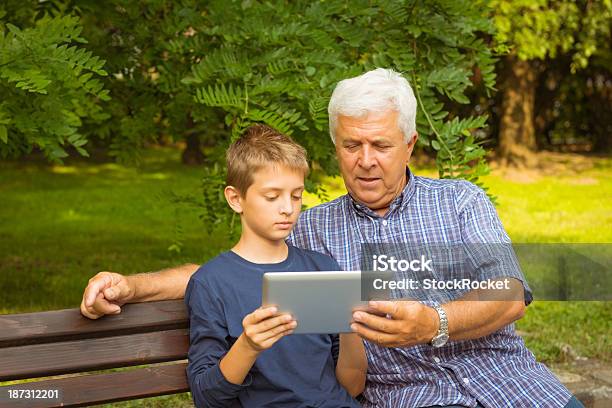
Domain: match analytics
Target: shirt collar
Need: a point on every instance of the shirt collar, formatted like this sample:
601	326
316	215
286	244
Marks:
398	202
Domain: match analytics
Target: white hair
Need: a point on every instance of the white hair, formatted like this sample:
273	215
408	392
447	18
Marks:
378	90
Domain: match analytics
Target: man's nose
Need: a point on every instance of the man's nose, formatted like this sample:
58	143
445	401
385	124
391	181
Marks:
366	157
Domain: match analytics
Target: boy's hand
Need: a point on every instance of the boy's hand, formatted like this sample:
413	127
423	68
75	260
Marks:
264	327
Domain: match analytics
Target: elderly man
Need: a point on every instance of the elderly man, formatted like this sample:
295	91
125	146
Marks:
460	353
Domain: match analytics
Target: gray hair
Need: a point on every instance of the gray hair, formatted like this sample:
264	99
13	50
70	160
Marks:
378	90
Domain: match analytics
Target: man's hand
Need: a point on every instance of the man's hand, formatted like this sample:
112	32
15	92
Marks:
406	323
105	294
265	326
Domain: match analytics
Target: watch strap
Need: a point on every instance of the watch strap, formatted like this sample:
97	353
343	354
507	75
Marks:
443	329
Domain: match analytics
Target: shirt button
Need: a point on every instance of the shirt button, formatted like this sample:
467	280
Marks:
466	380
436	359
385	223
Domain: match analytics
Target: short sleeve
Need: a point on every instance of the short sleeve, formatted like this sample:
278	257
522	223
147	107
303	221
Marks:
487	243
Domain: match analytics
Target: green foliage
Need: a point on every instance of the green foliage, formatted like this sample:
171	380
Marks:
537	29
50	86
264	65
149	47
212	68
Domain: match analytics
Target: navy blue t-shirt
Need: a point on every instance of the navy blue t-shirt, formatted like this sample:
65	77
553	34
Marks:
297	371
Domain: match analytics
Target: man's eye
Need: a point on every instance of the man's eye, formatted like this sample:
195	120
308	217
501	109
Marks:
351	146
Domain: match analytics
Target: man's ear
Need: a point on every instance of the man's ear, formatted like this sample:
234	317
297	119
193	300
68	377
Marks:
411	143
233	198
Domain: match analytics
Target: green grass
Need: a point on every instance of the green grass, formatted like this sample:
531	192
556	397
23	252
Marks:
59	225
569	207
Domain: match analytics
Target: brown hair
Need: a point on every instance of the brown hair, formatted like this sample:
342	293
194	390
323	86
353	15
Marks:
261	145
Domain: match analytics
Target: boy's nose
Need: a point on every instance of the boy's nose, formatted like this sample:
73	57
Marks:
286	207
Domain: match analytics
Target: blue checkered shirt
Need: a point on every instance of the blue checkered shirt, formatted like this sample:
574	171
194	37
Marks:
496	370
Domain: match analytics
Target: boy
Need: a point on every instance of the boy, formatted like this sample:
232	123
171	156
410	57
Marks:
253	361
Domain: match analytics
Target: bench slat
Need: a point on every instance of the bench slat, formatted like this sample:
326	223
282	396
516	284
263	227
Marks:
41	360
104	388
61	325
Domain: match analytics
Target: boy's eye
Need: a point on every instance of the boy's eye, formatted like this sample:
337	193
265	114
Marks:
297	197
271	198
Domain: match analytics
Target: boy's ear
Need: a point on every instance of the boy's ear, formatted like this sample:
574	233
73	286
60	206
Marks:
233	198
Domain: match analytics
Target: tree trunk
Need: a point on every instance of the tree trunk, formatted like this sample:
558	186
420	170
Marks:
192	155
517	142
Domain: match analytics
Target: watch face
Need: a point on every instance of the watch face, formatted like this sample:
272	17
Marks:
439	340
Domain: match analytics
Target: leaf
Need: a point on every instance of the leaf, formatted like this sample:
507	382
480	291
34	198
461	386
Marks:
310	71
3	134
82	152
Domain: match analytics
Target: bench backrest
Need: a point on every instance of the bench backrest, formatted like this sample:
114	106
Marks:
35	345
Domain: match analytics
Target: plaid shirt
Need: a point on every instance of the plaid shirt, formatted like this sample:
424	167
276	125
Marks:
496	370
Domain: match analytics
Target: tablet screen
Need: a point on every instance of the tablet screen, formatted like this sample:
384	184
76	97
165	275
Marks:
321	301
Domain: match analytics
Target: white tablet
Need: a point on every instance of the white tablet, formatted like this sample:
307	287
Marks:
321	301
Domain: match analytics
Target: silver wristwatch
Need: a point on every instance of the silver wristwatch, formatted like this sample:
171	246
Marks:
441	337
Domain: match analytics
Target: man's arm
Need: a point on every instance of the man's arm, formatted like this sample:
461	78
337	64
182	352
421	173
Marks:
411	322
473	317
106	292
476	314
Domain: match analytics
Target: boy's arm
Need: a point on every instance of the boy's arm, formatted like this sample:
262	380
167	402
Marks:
262	329
106	292
208	344
217	373
352	364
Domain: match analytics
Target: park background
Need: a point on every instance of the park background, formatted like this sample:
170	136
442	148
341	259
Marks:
114	117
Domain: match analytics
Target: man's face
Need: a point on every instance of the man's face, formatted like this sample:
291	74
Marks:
373	157
272	204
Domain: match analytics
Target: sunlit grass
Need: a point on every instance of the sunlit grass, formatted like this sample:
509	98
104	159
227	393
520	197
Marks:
58	228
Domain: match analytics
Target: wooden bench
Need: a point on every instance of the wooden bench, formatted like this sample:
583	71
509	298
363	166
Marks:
49	344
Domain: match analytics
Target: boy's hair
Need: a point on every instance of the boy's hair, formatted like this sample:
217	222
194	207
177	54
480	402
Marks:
261	145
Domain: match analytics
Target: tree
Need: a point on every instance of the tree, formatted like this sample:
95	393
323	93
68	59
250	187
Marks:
50	84
152	46
536	31
277	62
210	68
573	109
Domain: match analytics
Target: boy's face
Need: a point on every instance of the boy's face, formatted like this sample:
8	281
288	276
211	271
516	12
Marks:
272	204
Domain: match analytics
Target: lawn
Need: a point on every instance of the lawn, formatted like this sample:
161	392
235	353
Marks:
59	225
